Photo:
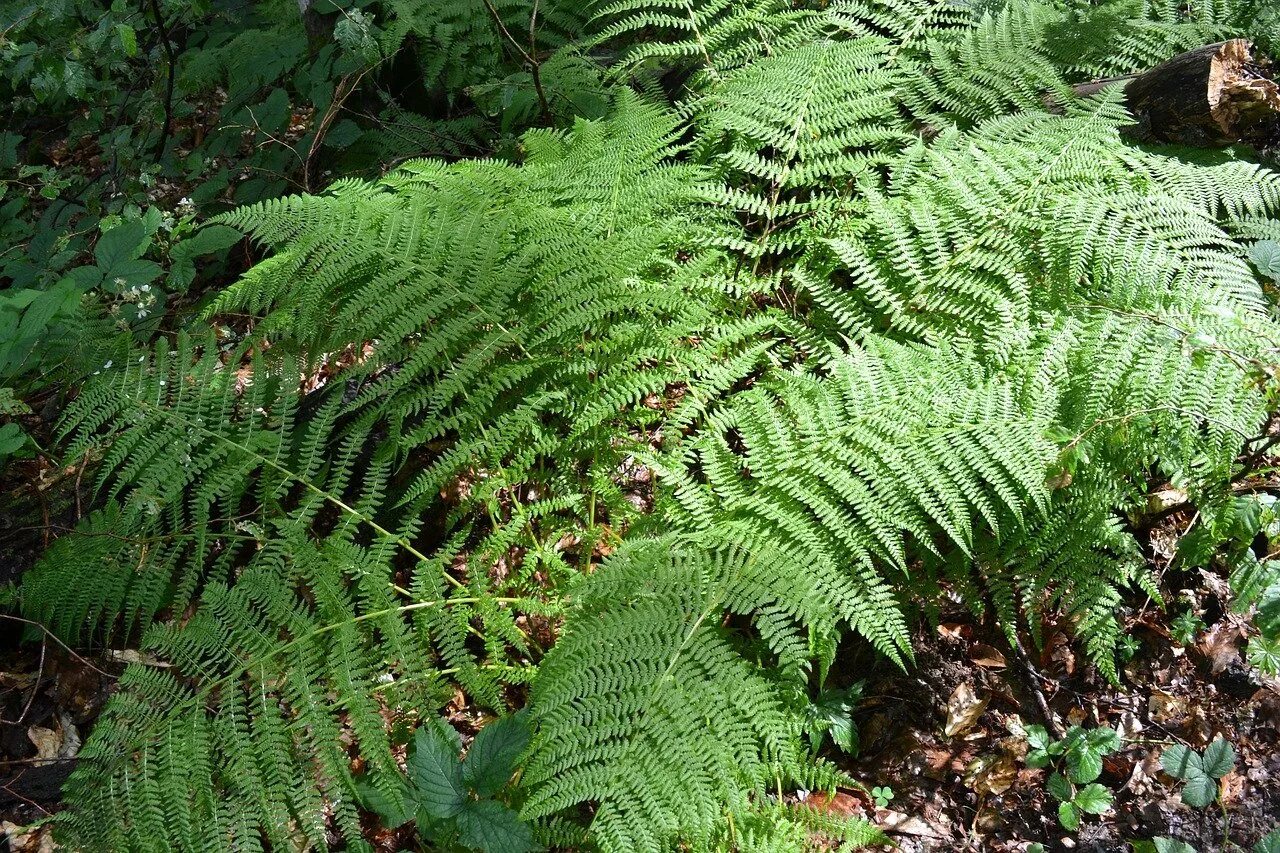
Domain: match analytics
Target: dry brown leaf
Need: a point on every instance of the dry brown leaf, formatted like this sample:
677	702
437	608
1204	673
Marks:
1233	787
987	656
1221	644
902	824
1165	707
28	839
843	804
953	630
48	743
963	710
1057	657
1141	780
1129	726
991	774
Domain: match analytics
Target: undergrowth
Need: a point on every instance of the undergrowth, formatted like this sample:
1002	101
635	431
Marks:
763	327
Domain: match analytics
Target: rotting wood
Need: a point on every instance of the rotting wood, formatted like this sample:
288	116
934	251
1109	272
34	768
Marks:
1219	94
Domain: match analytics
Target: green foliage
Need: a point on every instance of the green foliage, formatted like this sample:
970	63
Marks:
453	801
1199	772
831	713
1076	801
1079	754
624	699
693	390
1265	255
1185	626
1081	750
1264	653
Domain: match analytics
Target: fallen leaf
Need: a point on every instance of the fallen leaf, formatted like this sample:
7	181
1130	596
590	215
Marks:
901	824
1141	780
1128	726
1164	707
845	805
991	774
24	839
1233	787
1057	658
963	710
47	742
1221	644
953	630
988	656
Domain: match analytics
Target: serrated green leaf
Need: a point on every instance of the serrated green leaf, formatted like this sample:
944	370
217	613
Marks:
1037	758
1094	799
493	754
1179	761
206	241
1265	255
1219	758
125	242
1267	618
130	273
1104	740
1059	787
436	773
1200	790
491	827
1037	737
1264	654
1084	763
1068	816
128	40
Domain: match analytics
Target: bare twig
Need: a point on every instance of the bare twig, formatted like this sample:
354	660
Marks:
1033	684
57	640
526	55
35	688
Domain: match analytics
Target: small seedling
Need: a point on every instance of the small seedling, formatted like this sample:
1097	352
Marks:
1199	772
882	795
1079	754
832	714
453	799
1185	627
1127	647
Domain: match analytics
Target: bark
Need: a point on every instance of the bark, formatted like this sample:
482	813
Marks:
1219	94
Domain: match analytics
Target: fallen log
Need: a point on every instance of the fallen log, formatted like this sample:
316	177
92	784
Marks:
1219	94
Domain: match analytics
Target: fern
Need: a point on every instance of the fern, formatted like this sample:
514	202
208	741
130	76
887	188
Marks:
857	321
841	471
646	708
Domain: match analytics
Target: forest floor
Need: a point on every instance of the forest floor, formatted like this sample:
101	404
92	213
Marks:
947	735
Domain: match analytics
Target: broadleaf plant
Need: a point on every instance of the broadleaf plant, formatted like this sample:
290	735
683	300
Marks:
1199	772
453	798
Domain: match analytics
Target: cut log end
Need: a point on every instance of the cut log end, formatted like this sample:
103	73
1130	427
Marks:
1243	98
1219	94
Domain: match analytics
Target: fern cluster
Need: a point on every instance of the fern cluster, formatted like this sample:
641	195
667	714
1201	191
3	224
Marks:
858	318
